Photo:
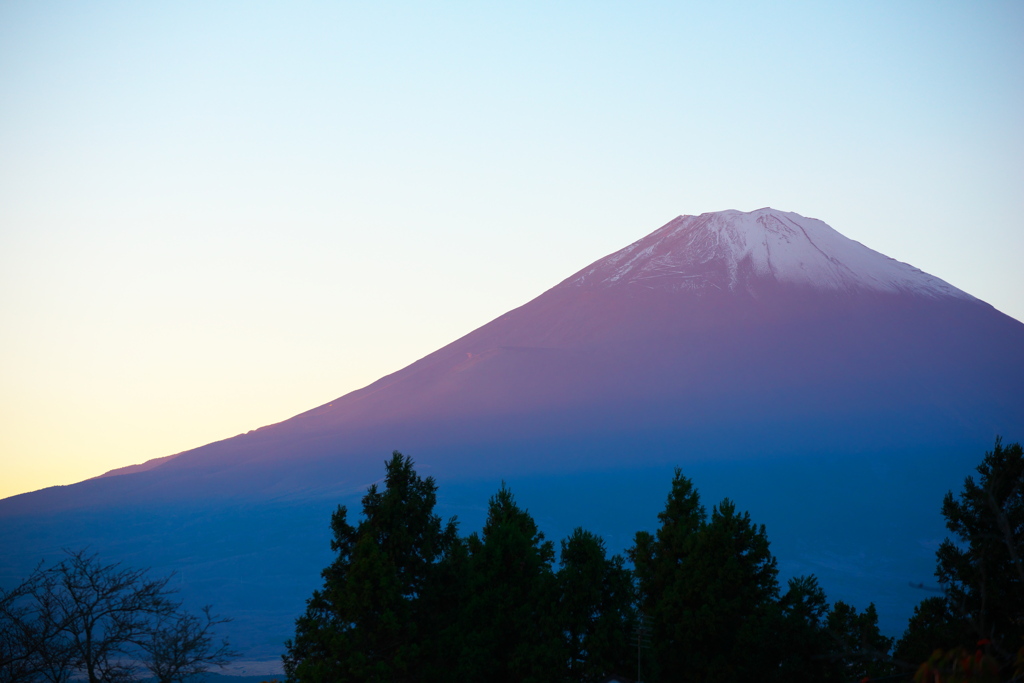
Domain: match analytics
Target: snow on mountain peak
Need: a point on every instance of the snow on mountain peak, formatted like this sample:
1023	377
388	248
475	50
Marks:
731	250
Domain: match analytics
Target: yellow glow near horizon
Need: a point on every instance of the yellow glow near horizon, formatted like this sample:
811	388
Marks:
213	217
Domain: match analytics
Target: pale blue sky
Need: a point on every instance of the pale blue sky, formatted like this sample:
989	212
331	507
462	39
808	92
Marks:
216	215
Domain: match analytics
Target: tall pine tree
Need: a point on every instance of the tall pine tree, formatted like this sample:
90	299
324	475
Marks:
739	617
595	609
509	627
667	600
859	649
983	568
368	621
802	639
709	590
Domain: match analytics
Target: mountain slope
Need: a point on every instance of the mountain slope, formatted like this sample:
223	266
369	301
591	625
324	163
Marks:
747	347
766	318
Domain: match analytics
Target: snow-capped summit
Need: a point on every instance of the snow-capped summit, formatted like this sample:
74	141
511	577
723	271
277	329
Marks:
734	250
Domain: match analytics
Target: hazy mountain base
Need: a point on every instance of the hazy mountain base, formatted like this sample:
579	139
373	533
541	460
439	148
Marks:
866	526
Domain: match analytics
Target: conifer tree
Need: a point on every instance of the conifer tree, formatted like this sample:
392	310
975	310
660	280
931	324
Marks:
983	568
663	562
509	628
738	572
802	637
858	647
367	622
933	626
595	608
709	589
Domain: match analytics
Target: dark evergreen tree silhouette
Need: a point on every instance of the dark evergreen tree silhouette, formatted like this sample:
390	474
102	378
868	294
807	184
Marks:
367	622
509	624
662	563
933	626
595	609
710	590
802	638
981	569
858	646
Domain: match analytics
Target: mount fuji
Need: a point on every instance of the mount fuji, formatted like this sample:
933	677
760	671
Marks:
833	392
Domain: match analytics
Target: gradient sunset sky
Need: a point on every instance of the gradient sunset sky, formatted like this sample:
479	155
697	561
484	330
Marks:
215	215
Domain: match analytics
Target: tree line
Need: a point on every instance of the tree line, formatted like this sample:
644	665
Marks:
409	599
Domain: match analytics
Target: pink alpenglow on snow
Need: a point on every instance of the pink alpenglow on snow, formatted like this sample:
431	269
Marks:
731	250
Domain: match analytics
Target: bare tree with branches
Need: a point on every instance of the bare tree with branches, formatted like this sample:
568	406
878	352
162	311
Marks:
19	660
102	622
182	645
